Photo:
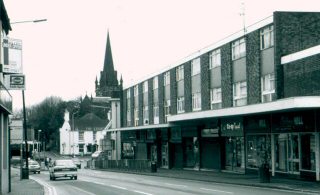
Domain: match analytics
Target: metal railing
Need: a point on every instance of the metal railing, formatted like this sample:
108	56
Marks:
124	165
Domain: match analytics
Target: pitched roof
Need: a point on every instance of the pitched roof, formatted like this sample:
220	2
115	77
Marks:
90	121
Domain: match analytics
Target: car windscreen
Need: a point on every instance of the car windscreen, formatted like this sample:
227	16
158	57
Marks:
64	163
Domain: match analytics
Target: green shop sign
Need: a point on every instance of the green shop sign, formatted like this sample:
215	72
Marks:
232	127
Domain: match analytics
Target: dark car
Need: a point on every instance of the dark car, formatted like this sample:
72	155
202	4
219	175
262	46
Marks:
63	168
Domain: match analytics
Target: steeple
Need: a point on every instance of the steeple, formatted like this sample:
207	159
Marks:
108	61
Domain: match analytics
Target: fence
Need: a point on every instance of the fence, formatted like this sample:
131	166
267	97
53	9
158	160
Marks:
124	165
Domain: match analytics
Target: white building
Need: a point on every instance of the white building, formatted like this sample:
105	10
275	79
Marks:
84	138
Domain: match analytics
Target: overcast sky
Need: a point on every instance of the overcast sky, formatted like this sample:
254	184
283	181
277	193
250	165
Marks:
63	56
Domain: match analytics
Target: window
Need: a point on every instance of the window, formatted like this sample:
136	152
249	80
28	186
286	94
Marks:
136	90
195	67
240	93
215	98
155	82
128	118
128	94
136	117
166	79
145	115
196	101
238	49
145	87
94	135
180	104
267	87
166	109
215	59
81	136
156	113
266	37
180	73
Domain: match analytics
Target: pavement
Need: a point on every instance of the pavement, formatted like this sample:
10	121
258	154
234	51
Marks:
25	186
251	180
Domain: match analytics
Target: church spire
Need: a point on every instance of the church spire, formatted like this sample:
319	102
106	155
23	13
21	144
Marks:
108	61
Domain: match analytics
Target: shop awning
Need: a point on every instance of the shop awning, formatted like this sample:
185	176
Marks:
144	127
287	104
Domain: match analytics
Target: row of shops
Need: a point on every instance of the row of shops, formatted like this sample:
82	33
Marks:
287	141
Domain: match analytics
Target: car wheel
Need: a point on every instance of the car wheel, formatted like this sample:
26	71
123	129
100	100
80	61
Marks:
53	178
50	178
75	177
38	172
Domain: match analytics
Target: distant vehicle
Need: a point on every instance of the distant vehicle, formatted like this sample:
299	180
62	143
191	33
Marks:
33	166
77	162
99	154
63	168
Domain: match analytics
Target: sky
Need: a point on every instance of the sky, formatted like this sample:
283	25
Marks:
64	55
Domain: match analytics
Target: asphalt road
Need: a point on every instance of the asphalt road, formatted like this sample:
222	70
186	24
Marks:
103	182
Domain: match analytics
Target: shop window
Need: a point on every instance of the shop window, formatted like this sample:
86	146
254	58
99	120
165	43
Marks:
308	155
234	153
258	151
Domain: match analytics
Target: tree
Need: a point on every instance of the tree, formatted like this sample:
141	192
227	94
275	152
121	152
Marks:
48	116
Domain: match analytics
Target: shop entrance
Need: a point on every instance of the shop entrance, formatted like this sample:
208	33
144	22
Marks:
234	154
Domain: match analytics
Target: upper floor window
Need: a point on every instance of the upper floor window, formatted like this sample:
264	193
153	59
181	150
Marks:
156	113
215	98
215	59
145	115
128	94
238	49
240	93
128	118
145	87
180	73
81	136
128	105
180	104
136	117
267	87
136	90
195	66
166	109
196	101
166	79
155	82
266	37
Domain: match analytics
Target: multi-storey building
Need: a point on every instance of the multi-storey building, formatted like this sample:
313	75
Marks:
252	98
5	109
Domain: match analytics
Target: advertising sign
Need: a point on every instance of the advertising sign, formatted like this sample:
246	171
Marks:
12	55
15	81
232	127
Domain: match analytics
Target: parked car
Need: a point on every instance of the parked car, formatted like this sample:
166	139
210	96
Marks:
63	168
33	166
99	154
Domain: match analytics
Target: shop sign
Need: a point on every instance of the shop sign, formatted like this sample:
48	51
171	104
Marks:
12	55
232	128
210	132
176	135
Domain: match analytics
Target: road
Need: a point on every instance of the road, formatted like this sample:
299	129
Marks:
92	182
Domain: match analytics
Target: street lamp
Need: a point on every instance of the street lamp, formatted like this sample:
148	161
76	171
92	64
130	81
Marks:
39	143
25	172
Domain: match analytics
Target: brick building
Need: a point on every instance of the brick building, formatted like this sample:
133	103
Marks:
251	99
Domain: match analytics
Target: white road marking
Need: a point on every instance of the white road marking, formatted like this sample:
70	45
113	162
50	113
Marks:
119	187
142	192
49	190
213	190
82	190
169	184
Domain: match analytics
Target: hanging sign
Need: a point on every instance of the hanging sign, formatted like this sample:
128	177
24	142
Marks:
12	55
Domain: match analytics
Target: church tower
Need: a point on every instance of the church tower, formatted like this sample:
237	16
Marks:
108	85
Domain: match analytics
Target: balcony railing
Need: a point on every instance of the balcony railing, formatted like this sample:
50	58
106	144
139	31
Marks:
5	99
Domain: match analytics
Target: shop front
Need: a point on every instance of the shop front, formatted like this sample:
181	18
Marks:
234	145
175	145
258	141
164	148
190	144
210	155
294	138
128	144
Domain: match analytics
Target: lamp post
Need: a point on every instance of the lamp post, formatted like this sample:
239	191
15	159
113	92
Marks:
25	172
39	144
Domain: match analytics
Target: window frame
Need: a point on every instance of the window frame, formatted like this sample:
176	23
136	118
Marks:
166	78
267	37
196	101
195	66
155	83
215	59
180	73
238	94
236	48
180	105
